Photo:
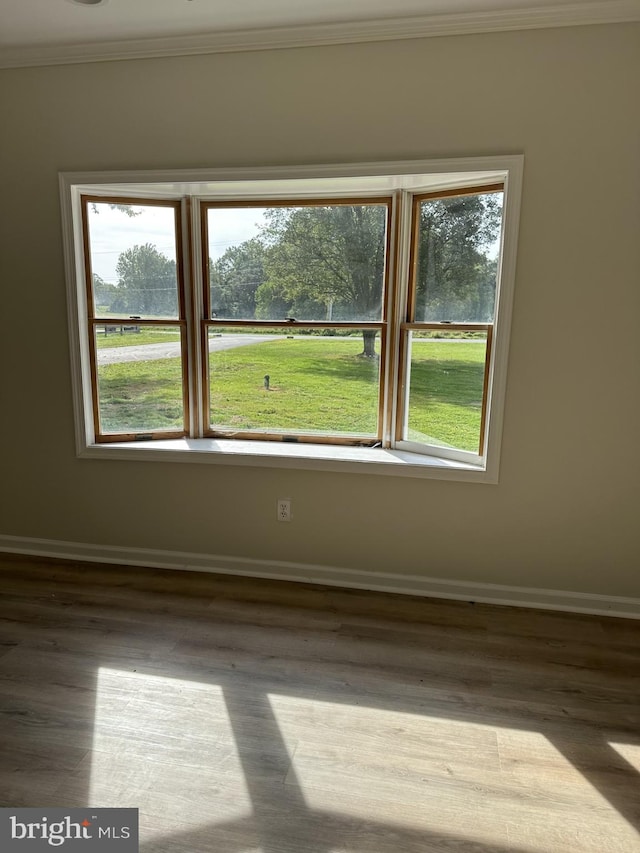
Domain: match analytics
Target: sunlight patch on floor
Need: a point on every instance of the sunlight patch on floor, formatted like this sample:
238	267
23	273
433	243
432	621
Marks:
630	752
398	769
407	770
164	744
207	764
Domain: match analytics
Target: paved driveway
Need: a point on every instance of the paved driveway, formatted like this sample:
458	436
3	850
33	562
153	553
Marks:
151	352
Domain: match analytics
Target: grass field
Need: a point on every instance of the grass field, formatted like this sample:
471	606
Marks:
445	402
138	396
146	335
316	385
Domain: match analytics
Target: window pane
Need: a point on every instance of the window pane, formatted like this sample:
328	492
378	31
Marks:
133	260
322	262
457	258
445	390
318	382
139	378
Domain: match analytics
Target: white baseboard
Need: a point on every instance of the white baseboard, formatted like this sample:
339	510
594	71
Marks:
486	593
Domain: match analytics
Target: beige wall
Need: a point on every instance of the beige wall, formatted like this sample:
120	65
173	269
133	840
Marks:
565	513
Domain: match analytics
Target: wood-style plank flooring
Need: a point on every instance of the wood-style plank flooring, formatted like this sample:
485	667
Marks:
247	716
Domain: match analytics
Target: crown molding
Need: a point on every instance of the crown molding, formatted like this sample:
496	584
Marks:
391	29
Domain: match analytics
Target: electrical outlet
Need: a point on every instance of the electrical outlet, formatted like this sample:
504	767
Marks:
284	509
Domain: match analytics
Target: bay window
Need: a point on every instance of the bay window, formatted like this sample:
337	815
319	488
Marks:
314	308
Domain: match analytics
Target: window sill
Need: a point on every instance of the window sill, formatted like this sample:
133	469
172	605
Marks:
316	457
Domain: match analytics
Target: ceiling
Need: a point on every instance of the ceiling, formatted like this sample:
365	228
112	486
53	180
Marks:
39	32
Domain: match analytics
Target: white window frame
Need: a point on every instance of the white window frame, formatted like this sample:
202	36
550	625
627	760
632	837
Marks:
404	178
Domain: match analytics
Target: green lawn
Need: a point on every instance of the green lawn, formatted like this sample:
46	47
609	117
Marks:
146	335
446	384
317	384
140	396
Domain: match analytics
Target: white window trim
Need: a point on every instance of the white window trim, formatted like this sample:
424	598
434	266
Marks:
414	175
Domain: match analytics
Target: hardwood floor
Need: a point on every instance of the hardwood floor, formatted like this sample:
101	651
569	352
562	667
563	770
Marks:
247	716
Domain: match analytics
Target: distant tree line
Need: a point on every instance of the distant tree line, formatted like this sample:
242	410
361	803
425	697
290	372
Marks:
322	263
327	263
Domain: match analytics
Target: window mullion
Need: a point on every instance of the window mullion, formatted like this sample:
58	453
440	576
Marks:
401	295
486	385
193	311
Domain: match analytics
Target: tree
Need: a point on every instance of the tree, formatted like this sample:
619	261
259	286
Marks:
326	262
234	279
146	282
272	304
455	278
124	208
104	294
